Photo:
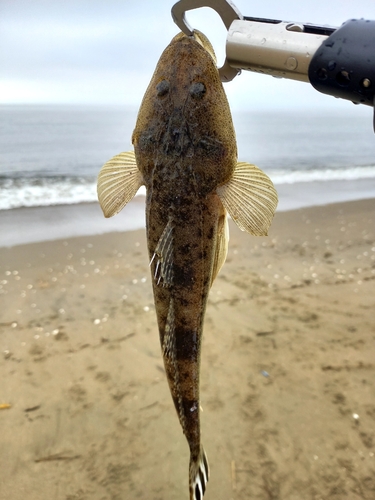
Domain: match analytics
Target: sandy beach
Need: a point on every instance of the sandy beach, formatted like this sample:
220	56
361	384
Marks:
287	377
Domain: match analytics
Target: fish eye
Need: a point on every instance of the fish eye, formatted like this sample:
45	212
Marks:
197	90
162	88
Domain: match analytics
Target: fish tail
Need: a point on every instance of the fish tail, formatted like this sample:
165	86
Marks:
199	473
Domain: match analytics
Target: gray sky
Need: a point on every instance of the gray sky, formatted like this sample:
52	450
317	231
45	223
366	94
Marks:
104	51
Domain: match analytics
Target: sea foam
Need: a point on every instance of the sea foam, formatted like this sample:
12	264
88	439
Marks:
38	192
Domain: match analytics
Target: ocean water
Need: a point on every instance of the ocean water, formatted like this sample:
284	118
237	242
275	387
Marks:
51	155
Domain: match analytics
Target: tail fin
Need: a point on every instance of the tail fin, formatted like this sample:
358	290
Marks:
199	473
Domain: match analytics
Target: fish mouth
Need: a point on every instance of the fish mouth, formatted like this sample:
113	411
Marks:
198	37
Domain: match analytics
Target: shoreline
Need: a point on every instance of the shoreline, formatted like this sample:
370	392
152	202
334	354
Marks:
287	376
32	224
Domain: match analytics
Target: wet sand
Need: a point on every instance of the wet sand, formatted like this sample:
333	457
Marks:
287	379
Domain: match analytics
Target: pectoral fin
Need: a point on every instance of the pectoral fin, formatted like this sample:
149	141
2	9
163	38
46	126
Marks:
250	198
118	182
221	245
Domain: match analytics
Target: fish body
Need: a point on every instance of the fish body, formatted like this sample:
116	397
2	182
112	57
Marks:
185	154
178	155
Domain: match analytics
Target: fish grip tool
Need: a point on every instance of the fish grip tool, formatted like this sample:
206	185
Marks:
228	13
336	61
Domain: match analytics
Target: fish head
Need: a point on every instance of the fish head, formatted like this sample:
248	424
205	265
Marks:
184	118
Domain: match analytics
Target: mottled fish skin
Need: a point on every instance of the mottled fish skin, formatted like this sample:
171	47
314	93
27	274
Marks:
184	146
186	156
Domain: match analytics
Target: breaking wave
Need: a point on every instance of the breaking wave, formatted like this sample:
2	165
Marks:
64	190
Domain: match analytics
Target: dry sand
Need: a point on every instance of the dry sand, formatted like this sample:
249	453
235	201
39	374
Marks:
288	365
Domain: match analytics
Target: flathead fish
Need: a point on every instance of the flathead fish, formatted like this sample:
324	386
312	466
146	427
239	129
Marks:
185	154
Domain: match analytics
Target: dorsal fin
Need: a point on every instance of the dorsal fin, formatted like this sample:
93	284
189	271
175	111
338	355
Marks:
250	198
118	182
163	257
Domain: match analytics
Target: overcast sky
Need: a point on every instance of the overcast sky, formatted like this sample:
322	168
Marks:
104	51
